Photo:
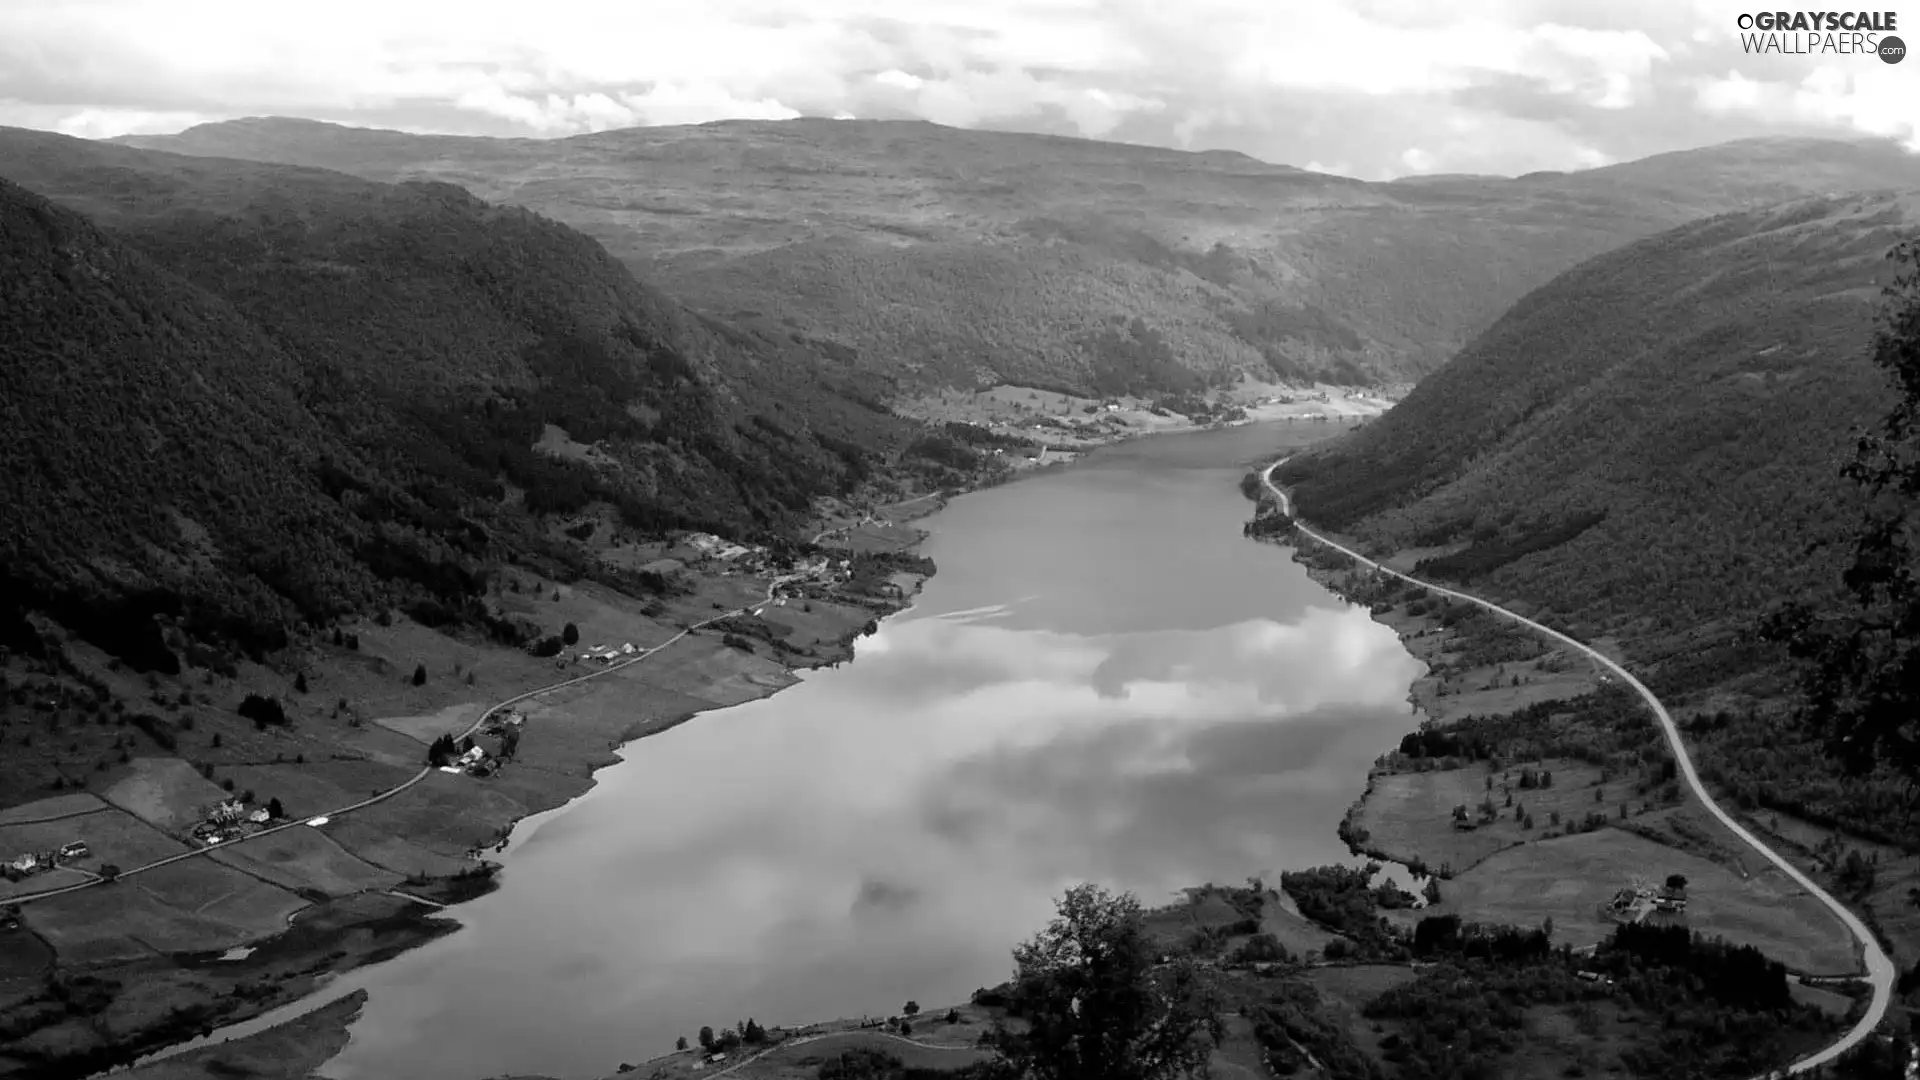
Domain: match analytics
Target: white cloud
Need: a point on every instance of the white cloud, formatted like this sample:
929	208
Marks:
1486	85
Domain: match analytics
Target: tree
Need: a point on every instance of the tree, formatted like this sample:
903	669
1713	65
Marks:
570	634
906	1027
274	809
1861	674
419	674
911	1008
680	1043
1676	882
1096	1007
706	1038
110	872
300	682
953	1016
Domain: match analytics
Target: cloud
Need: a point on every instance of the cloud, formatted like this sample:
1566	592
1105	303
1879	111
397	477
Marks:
1481	85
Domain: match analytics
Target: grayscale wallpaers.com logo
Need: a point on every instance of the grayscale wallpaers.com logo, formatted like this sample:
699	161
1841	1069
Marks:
1823	33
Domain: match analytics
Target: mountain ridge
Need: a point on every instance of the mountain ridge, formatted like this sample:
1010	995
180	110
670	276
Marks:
946	256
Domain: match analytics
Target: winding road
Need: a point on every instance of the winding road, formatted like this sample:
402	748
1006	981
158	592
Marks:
383	796
1880	970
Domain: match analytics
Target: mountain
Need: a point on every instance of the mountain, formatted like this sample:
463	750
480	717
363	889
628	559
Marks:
1647	450
934	256
248	395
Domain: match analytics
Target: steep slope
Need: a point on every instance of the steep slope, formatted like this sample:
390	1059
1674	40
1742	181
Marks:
1645	449
1662	423
331	390
945	256
149	427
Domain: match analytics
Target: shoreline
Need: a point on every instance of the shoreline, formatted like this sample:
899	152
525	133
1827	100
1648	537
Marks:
424	925
431	924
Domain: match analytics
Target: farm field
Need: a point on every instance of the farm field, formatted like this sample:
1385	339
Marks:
298	859
1409	815
114	836
318	787
1568	878
426	727
53	806
166	793
374	845
701	667
183	908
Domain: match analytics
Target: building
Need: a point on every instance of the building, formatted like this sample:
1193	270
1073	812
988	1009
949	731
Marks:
76	850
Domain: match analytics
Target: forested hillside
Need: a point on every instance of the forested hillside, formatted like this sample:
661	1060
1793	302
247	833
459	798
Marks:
932	256
249	394
1648	448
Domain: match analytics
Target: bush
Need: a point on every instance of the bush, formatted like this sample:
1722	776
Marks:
263	711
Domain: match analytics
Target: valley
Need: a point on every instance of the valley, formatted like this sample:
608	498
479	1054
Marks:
383	506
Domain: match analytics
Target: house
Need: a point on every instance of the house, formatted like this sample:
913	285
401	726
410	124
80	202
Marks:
627	649
28	863
260	816
227	810
76	850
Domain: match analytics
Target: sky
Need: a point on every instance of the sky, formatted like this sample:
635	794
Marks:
1367	88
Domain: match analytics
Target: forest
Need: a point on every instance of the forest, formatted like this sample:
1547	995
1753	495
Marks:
248	397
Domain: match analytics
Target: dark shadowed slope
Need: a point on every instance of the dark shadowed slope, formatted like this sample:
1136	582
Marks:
943	255
259	393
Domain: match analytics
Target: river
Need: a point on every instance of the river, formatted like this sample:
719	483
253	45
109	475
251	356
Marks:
1104	681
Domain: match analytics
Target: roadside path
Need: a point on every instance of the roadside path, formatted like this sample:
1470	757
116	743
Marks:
383	796
1880	971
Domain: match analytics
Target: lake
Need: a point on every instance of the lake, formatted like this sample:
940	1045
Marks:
1105	681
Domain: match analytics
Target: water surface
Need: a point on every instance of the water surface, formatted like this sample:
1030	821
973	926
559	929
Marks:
1105	681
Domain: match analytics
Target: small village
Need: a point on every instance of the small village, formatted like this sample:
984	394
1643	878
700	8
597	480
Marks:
232	819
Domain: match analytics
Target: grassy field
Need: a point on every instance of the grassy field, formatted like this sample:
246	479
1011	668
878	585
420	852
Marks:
113	835
451	720
319	786
198	908
443	813
1410	815
371	843
306	859
53	806
166	793
22	956
701	667
1568	878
